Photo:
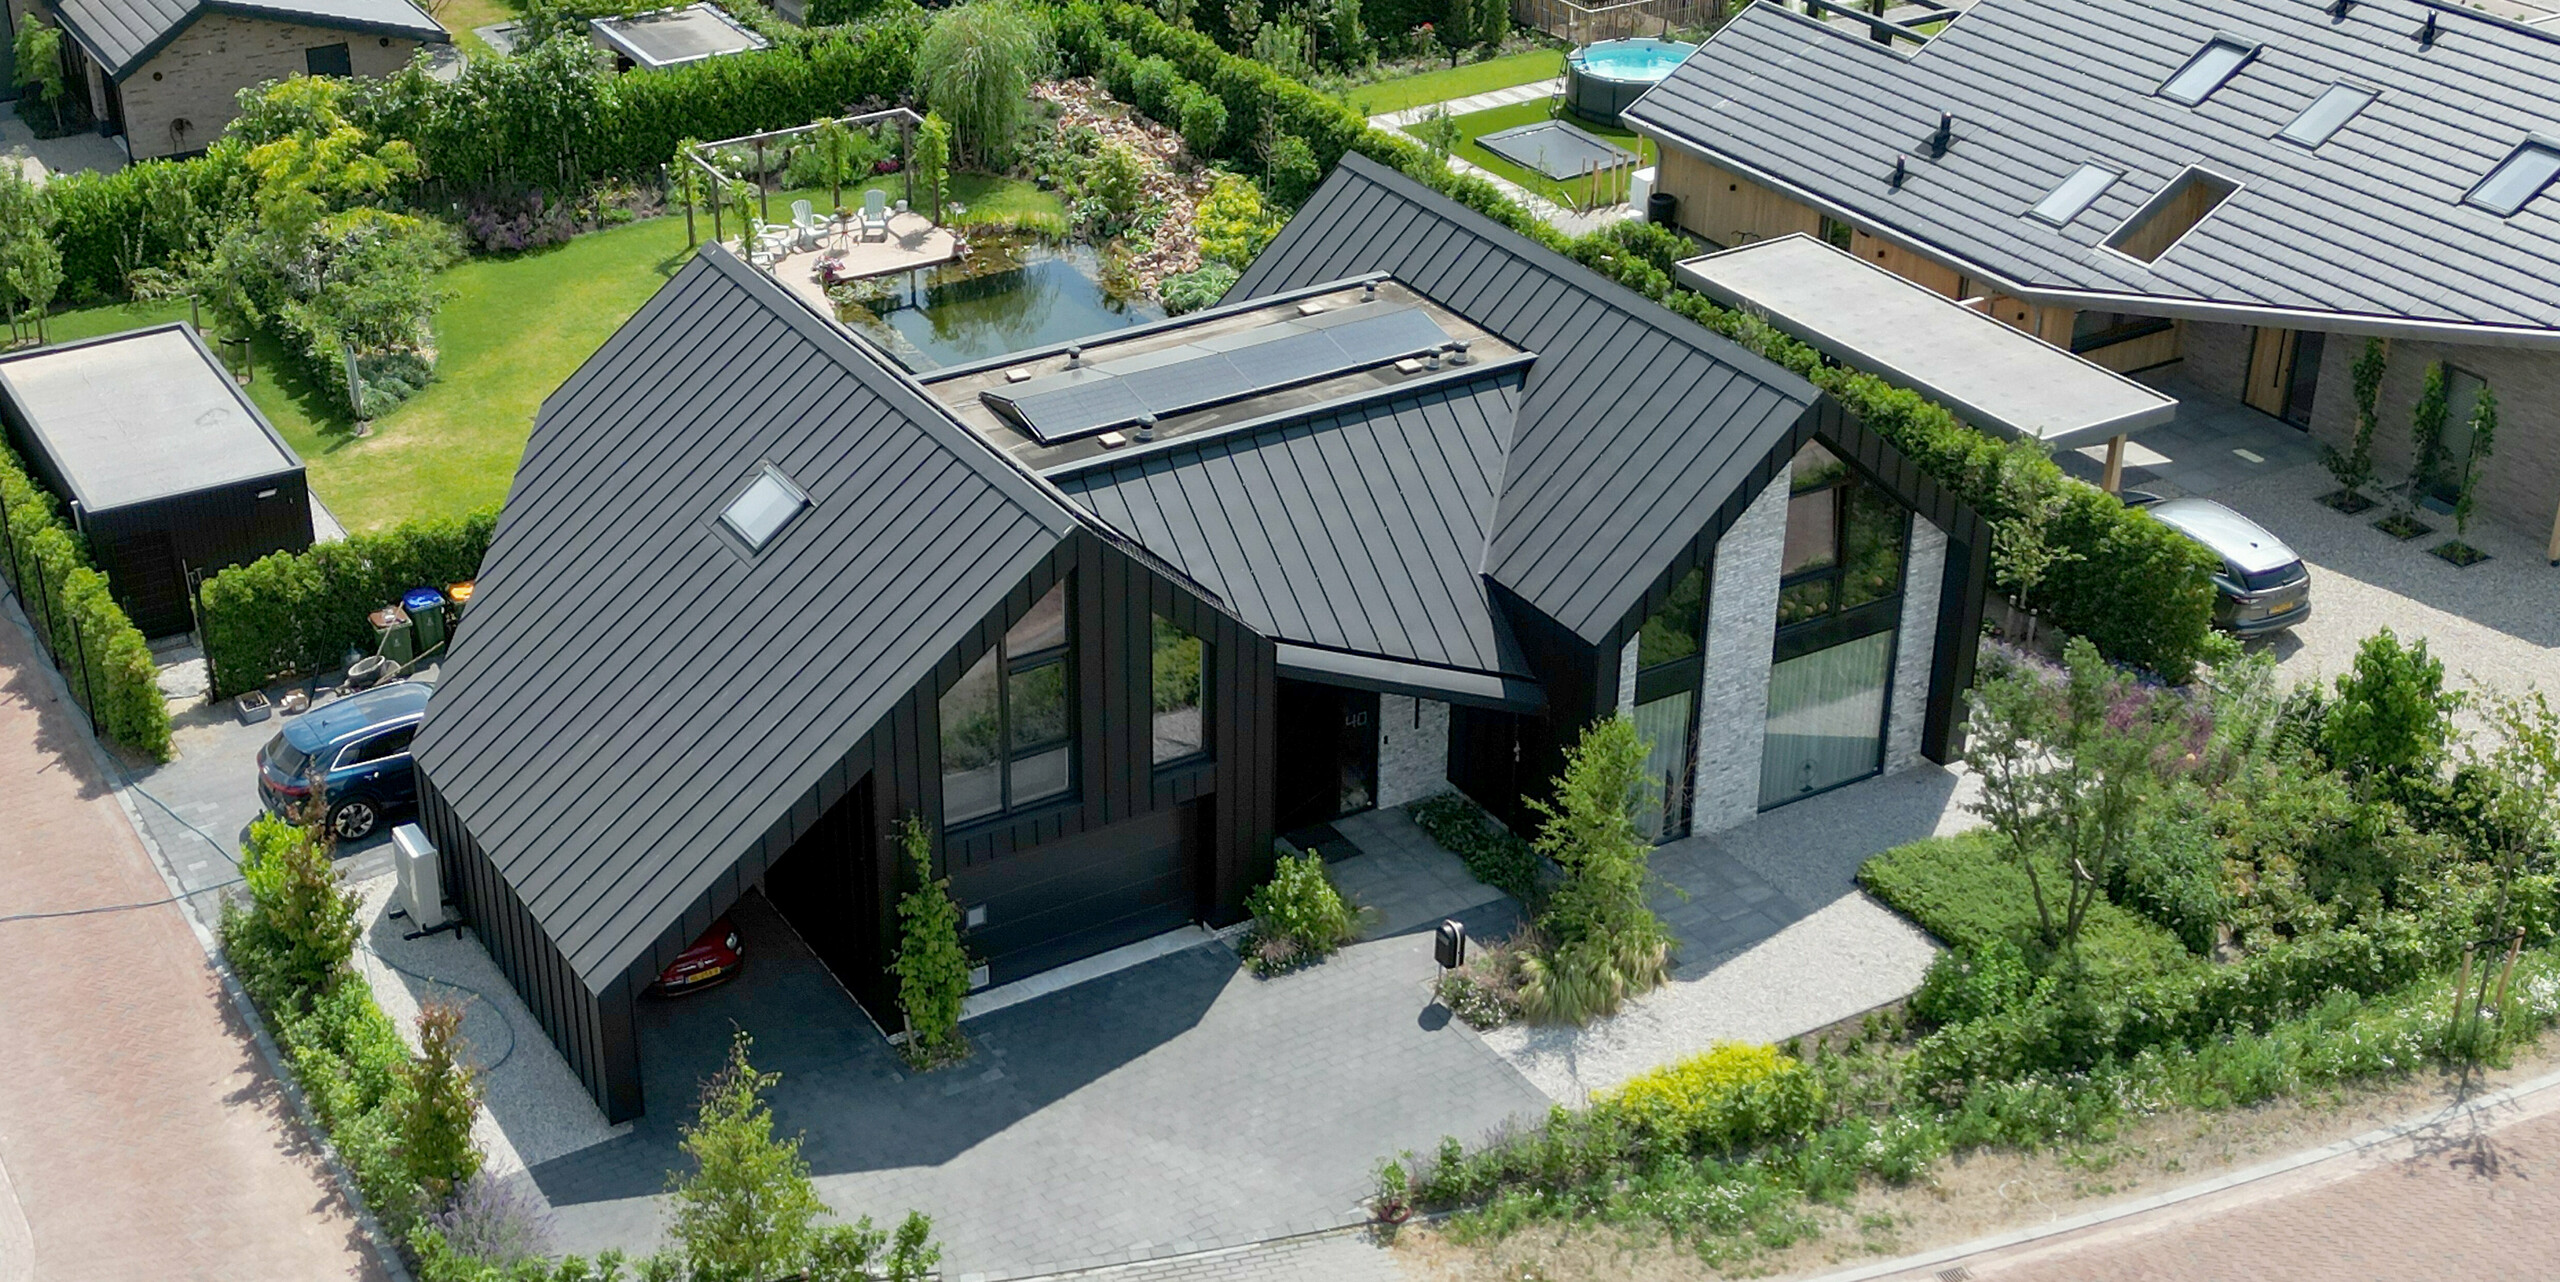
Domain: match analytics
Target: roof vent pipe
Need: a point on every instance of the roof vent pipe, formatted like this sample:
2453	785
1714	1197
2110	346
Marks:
1901	170
1369	292
2427	34
1946	135
1075	357
1457	351
1432	361
1146	427
2338	10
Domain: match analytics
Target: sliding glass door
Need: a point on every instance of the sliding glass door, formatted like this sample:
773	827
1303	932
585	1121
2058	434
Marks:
1826	719
1839	607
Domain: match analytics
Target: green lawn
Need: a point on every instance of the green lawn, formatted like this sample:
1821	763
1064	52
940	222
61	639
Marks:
458	17
1572	193
512	330
1456	82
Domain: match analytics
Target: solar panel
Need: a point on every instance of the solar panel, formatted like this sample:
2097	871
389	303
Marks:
1218	368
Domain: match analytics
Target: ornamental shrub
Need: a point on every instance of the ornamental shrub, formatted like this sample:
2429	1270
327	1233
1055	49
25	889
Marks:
747	1212
932	965
1730	1097
2393	716
105	660
1492	853
1186	292
291	612
296	938
441	1098
1606	943
1298	917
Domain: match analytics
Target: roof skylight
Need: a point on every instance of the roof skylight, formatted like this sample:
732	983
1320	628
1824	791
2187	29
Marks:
2517	179
2074	194
2206	71
768	505
2326	115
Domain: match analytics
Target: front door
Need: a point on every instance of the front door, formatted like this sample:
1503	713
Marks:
2271	366
1328	763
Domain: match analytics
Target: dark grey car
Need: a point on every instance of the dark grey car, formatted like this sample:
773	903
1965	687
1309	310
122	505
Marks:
2262	587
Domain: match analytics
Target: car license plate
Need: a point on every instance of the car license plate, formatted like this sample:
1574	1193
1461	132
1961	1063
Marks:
702	976
2284	607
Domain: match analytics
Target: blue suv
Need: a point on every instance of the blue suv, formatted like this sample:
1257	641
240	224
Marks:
356	750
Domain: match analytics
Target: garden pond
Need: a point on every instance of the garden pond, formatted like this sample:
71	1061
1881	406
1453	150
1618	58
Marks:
1005	294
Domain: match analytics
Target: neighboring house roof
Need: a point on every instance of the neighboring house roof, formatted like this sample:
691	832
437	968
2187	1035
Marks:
2368	229
1634	427
673	37
1355	529
124	34
133	417
634	700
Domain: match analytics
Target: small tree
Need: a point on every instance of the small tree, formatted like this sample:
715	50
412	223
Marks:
1607	944
1244	22
2484	440
436	1111
932	966
976	66
2393	716
1438	130
2023	550
299	932
1290	165
932	160
2426	433
30	261
748	1212
38	53
2355	470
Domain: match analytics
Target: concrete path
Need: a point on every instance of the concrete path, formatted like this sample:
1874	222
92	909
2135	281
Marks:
143	1134
1486	101
2463	1193
38	159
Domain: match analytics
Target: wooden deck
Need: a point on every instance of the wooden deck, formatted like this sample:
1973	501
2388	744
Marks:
913	241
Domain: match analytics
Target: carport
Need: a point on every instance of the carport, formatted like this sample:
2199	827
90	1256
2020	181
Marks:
2000	379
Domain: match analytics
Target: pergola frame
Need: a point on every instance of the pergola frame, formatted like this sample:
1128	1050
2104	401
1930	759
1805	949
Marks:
700	154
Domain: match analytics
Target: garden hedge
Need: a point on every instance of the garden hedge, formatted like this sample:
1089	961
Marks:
104	657
292	612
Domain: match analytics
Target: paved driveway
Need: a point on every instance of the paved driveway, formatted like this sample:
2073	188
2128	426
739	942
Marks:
142	1135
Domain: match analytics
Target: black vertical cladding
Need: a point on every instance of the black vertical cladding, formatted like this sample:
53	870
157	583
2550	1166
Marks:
146	548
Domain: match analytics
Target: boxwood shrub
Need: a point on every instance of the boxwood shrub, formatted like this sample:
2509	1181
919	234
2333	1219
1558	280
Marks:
295	612
67	601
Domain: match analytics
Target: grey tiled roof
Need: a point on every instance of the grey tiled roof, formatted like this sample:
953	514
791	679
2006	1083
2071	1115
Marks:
1357	529
2369	225
1635	425
632	700
124	34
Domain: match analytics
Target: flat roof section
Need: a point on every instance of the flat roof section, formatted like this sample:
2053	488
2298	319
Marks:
140	416
1998	378
673	37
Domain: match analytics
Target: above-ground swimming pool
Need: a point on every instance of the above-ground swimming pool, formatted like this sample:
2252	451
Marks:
1601	80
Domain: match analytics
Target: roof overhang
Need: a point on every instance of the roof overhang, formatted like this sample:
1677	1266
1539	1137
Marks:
1998	378
1417	680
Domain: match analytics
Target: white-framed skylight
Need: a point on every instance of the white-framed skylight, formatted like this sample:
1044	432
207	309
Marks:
768	504
2517	179
2206	71
2074	194
2327	114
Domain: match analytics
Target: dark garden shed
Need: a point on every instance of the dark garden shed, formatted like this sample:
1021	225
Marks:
162	463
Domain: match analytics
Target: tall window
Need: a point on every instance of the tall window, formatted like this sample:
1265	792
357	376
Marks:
1668	667
1181	700
1839	605
1008	727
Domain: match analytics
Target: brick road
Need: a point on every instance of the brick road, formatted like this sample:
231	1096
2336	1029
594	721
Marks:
2463	1201
141	1133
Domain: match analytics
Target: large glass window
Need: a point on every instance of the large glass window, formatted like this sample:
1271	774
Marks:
1668	665
1839	605
1675	631
1008	724
1181	700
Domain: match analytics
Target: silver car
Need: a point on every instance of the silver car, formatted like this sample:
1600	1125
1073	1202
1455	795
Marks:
2263	587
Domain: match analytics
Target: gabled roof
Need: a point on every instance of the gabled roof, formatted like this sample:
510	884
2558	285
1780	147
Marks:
1356	529
2368	230
633	699
1634	426
124	34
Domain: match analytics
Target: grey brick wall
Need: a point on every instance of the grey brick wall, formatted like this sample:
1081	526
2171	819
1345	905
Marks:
2216	357
1413	749
1916	646
1733	705
2520	481
199	76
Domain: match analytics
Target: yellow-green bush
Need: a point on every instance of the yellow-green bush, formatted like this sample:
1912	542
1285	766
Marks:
1732	1096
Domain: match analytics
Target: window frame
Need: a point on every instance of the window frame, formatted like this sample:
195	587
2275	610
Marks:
2336	87
1838	624
1207	749
2058	218
2532	143
1008	666
2247	50
737	536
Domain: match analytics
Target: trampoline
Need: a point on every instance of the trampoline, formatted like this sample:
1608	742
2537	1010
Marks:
1554	148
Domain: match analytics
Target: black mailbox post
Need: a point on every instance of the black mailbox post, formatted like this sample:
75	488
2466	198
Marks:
1449	945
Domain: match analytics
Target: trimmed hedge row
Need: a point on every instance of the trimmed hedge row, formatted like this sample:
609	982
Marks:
69	605
291	612
145	215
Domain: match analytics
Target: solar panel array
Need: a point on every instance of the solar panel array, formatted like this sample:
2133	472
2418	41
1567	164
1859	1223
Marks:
1116	393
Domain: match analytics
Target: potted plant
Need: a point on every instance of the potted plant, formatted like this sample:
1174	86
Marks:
1394	1203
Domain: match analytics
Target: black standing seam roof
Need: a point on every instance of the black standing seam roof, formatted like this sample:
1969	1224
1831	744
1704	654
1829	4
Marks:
2369	225
633	699
1358	528
124	34
1634	426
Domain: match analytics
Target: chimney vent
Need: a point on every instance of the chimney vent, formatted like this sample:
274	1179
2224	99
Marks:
1457	351
2427	34
1146	427
1901	170
1946	135
1075	358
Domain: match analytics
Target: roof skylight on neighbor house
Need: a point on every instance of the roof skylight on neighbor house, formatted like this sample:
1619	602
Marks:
2074	194
2517	179
768	505
2206	71
2326	115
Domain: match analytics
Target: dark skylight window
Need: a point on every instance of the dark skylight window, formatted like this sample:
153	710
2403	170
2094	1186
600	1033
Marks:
2206	71
768	505
2517	179
2074	193
2326	115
